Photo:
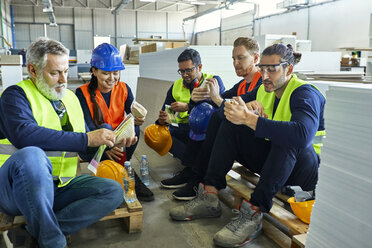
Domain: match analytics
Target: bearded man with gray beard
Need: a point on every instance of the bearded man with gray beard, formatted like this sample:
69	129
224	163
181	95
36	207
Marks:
42	130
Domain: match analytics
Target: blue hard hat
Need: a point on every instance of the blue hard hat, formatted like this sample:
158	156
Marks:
198	120
107	58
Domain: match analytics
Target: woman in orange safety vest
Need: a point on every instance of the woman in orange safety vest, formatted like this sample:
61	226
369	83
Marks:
106	101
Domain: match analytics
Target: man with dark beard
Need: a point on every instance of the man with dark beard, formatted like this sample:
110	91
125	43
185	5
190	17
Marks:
42	129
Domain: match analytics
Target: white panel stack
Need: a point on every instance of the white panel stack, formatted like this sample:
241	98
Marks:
130	77
11	70
324	85
342	214
216	60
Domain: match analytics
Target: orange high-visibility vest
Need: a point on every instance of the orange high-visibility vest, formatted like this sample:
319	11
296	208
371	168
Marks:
243	85
115	113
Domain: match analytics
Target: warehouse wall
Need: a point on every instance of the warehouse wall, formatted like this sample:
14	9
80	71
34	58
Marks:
236	26
231	28
5	29
77	26
332	25
208	38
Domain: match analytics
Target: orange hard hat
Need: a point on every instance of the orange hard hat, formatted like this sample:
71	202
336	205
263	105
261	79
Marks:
158	138
111	170
302	209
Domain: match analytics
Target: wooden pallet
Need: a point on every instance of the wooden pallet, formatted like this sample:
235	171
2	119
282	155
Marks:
299	241
131	213
280	224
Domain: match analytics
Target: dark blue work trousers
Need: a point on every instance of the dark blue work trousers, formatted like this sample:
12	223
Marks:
180	137
277	165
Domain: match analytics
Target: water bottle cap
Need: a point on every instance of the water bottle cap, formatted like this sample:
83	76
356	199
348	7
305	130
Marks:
126	164
143	156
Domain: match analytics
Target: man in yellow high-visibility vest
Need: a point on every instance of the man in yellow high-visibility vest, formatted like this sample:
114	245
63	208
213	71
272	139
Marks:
42	130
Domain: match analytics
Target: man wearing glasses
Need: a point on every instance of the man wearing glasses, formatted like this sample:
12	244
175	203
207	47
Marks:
178	98
276	143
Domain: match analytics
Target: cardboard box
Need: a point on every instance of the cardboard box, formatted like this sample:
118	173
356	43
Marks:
149	48
134	54
170	45
178	44
345	62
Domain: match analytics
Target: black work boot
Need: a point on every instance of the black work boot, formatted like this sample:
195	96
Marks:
179	180
188	192
143	193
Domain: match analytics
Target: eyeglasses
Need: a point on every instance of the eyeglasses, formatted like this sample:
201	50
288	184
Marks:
186	70
271	68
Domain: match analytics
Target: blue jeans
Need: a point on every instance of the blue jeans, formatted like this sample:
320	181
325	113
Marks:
27	188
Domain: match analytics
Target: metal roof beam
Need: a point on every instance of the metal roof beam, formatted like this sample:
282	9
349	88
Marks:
84	5
104	4
145	5
166	7
121	6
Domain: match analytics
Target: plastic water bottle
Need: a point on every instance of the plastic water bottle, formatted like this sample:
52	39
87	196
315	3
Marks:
144	171
129	184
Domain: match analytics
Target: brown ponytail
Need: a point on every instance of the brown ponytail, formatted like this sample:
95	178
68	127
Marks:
97	112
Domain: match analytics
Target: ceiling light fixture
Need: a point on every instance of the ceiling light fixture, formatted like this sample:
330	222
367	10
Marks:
197	3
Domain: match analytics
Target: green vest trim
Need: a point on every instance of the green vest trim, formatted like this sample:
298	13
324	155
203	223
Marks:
182	94
283	110
64	163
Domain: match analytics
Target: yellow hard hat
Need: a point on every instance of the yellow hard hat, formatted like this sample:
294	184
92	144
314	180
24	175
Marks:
111	170
302	209
158	138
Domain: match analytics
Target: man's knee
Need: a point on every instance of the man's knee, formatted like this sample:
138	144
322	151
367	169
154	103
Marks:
32	161
111	190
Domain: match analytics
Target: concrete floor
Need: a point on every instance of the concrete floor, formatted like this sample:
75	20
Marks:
158	228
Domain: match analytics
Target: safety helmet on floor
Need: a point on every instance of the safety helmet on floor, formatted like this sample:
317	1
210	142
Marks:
111	170
198	120
158	138
107	58
302	209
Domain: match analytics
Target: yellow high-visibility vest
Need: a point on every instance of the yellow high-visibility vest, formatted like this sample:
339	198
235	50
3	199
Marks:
181	94
64	163
283	110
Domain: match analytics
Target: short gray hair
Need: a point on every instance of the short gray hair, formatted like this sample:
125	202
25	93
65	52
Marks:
36	53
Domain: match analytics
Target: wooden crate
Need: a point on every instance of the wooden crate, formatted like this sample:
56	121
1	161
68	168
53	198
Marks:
280	224
131	213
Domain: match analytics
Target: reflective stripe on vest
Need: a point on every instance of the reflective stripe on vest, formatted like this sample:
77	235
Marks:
9	149
64	163
243	85
283	110
182	94
113	114
318	141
